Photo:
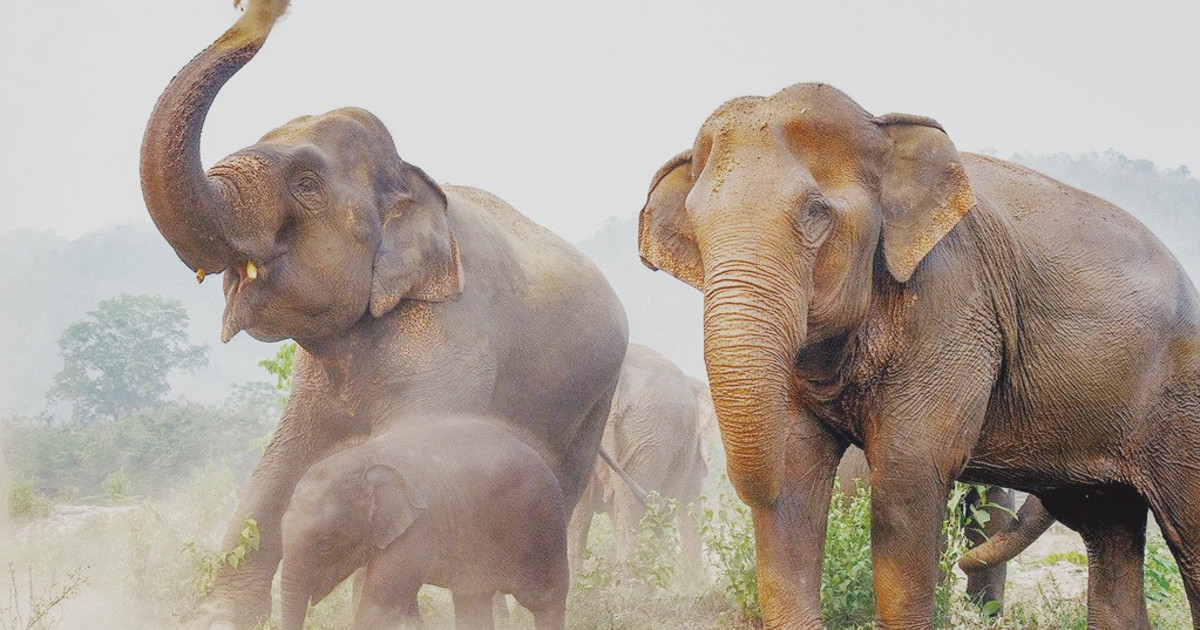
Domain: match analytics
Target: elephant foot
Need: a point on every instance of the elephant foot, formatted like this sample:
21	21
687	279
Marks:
220	614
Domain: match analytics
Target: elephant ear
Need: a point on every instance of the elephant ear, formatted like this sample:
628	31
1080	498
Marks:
393	504
924	191
418	257
666	239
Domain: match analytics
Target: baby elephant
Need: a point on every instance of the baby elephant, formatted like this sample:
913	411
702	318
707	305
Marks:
457	503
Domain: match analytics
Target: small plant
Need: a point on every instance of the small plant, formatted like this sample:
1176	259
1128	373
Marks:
1162	574
209	563
654	549
652	561
847	593
42	609
728	535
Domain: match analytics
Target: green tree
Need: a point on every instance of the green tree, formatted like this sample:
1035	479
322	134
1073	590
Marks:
117	358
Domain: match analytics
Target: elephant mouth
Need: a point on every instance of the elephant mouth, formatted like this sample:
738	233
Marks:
239	309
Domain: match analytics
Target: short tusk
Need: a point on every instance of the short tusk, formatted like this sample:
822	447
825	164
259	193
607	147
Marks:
200	275
251	270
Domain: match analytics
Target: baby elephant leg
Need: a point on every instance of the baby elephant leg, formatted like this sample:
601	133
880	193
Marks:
386	602
473	611
547	598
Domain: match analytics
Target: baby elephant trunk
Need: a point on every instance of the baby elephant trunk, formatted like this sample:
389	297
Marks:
295	598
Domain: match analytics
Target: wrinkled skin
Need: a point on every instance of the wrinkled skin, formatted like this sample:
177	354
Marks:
405	297
655	433
1000	540
1032	521
956	316
457	503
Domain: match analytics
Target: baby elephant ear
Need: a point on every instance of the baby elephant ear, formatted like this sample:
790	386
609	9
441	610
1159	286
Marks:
666	239
924	191
393	504
418	257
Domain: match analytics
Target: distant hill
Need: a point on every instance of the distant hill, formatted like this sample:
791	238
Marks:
47	282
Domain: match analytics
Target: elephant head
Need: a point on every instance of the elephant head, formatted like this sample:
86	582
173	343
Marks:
340	516
317	224
786	213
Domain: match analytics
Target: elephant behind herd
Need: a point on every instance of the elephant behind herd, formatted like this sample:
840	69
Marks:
864	284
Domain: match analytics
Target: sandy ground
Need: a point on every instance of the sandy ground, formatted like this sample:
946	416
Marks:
1030	571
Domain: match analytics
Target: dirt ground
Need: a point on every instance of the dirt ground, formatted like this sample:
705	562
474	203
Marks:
1032	569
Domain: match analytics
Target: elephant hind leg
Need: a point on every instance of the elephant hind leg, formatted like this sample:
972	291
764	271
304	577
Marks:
1177	510
1112	522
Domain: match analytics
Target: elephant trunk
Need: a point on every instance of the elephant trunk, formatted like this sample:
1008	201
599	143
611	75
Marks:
294	600
190	209
1032	521
754	322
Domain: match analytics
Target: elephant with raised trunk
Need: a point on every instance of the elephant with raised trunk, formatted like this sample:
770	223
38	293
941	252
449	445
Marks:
656	435
406	297
459	503
956	316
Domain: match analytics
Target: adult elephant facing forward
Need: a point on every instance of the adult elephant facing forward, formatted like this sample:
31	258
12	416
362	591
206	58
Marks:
408	299
953	314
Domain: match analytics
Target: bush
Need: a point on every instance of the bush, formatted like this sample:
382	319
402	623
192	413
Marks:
145	452
26	503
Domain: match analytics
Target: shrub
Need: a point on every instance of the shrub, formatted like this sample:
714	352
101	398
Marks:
26	503
847	593
728	535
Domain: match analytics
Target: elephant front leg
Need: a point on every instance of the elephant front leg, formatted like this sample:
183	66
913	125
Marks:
241	597
908	506
790	535
918	441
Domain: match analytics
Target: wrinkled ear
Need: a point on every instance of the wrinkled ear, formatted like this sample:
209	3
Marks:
393	504
666	239
924	191
418	256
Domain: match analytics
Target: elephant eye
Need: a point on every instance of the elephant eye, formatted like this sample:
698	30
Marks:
815	220
309	190
325	544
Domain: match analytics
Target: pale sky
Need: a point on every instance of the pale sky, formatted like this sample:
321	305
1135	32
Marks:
566	109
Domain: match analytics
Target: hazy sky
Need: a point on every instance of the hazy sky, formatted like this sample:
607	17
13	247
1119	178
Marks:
566	109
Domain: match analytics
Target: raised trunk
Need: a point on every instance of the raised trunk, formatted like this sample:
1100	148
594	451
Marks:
190	209
754	321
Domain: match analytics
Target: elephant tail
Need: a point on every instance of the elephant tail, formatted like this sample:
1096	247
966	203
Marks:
639	493
1032	521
